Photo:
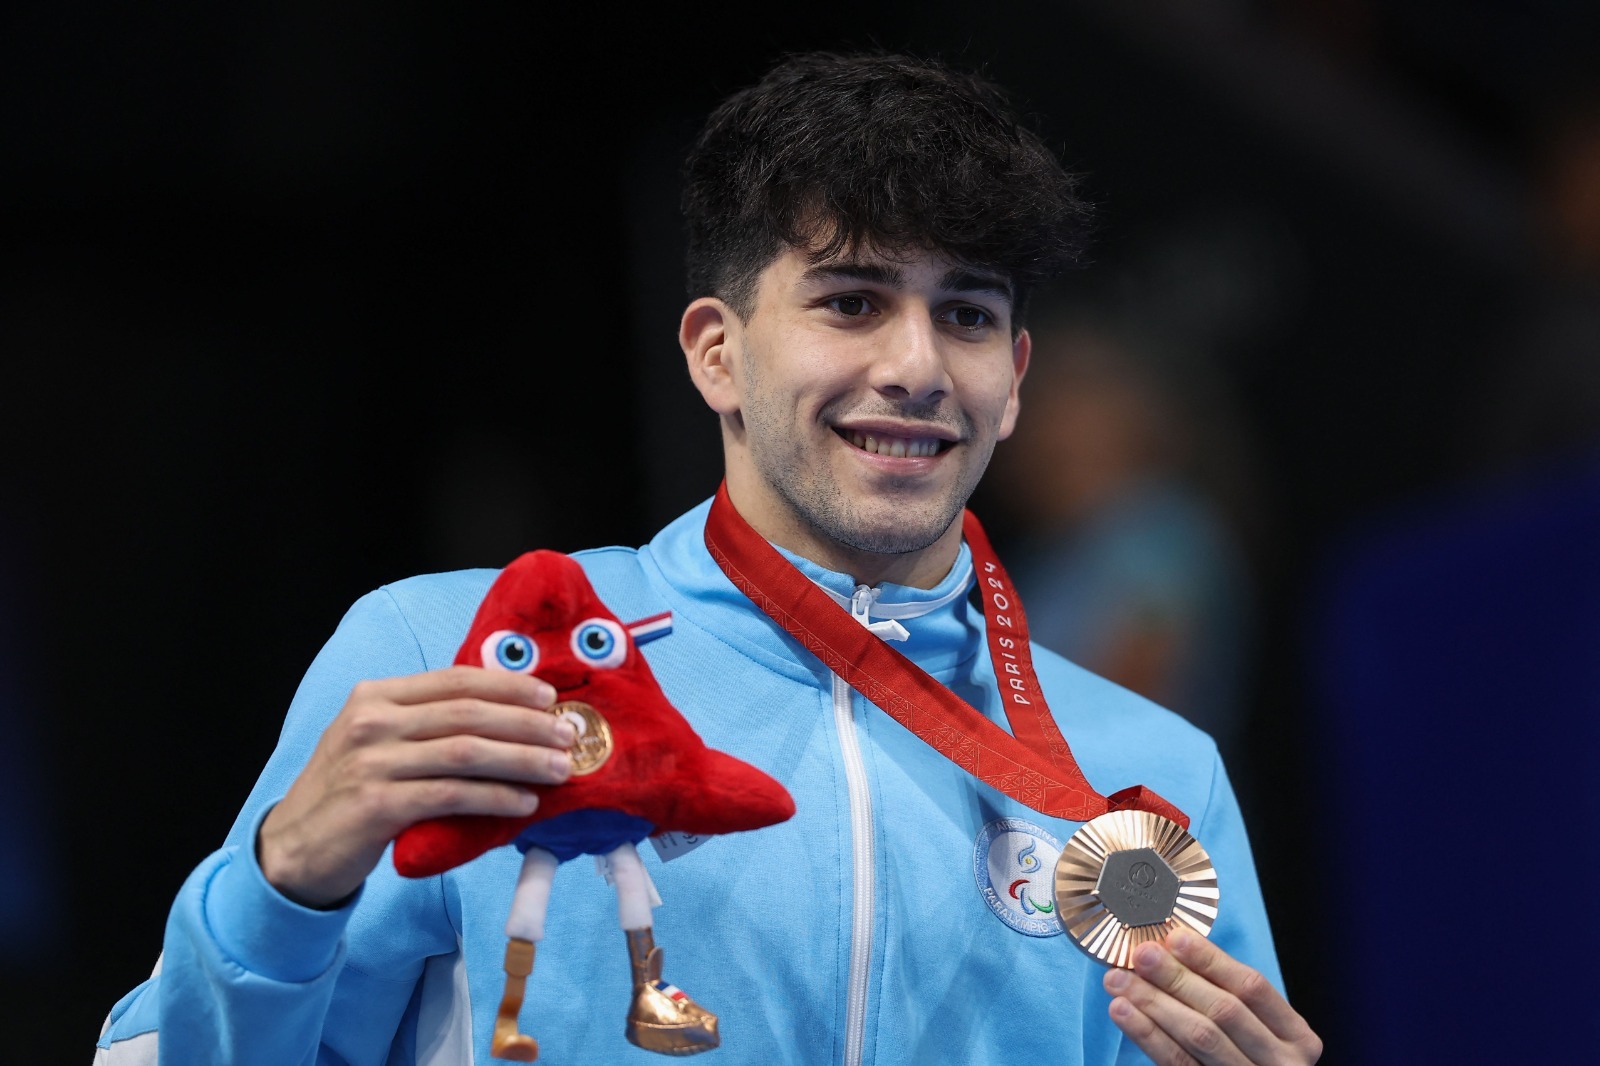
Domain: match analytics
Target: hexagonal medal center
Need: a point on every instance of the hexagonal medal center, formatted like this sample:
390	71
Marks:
1138	886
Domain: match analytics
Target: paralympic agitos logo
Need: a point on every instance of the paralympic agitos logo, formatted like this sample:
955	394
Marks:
1014	862
1018	889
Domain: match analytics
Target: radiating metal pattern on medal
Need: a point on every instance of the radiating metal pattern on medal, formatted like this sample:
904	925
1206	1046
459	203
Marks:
593	746
1129	877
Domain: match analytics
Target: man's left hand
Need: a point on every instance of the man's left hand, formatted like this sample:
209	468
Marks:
1187	1002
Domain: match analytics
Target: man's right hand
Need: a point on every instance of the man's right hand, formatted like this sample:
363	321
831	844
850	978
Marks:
461	740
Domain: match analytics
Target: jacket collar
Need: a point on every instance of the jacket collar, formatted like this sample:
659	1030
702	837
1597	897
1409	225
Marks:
940	621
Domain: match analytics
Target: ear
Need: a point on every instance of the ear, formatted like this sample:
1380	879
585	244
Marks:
1021	352
709	335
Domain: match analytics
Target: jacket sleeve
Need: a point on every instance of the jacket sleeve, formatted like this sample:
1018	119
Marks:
246	975
1241	929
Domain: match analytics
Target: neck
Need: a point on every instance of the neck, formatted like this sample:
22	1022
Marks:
922	569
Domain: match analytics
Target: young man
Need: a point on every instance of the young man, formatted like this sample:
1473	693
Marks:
864	233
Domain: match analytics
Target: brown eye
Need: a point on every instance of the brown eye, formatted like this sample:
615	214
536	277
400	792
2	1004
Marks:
850	305
970	317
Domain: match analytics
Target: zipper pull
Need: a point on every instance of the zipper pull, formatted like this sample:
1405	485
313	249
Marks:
861	604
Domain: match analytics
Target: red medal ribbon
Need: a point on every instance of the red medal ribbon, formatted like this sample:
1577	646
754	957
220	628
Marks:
1032	764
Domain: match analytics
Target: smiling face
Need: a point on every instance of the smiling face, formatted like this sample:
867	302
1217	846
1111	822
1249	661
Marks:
861	400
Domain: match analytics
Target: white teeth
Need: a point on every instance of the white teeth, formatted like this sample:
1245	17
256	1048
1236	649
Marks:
895	447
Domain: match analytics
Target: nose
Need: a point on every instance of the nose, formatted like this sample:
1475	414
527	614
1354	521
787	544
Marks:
910	368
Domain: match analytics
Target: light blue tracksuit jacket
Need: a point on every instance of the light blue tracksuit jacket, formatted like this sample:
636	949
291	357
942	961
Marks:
858	932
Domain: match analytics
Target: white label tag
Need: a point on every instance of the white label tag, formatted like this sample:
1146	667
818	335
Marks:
672	845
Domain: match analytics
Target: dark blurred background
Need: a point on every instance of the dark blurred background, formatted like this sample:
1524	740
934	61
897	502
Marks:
297	301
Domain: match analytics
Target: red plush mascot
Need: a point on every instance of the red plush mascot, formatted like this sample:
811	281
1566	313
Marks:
637	769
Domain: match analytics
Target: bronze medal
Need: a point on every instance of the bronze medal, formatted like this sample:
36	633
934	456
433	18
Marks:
1129	877
593	746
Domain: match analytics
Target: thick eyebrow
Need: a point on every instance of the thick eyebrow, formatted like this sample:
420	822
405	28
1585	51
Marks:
961	279
874	273
956	279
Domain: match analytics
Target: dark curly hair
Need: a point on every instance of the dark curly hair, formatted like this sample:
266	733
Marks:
831	153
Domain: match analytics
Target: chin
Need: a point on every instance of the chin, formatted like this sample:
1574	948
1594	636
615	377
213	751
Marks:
895	532
874	515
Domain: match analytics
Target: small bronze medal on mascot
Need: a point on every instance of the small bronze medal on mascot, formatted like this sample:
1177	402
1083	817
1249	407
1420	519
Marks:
593	746
1129	877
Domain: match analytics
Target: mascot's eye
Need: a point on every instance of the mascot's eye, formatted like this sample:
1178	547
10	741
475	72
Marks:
600	642
506	649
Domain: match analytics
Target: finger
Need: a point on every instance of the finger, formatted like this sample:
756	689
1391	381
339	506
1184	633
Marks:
467	756
1207	960
1150	1037
1200	1015
415	801
454	682
497	721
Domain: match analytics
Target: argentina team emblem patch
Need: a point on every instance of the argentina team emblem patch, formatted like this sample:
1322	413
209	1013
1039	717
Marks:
1015	864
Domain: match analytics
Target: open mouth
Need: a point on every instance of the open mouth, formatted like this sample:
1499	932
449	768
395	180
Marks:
895	447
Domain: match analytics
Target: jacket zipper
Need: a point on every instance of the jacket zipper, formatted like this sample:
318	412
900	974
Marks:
862	868
862	873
